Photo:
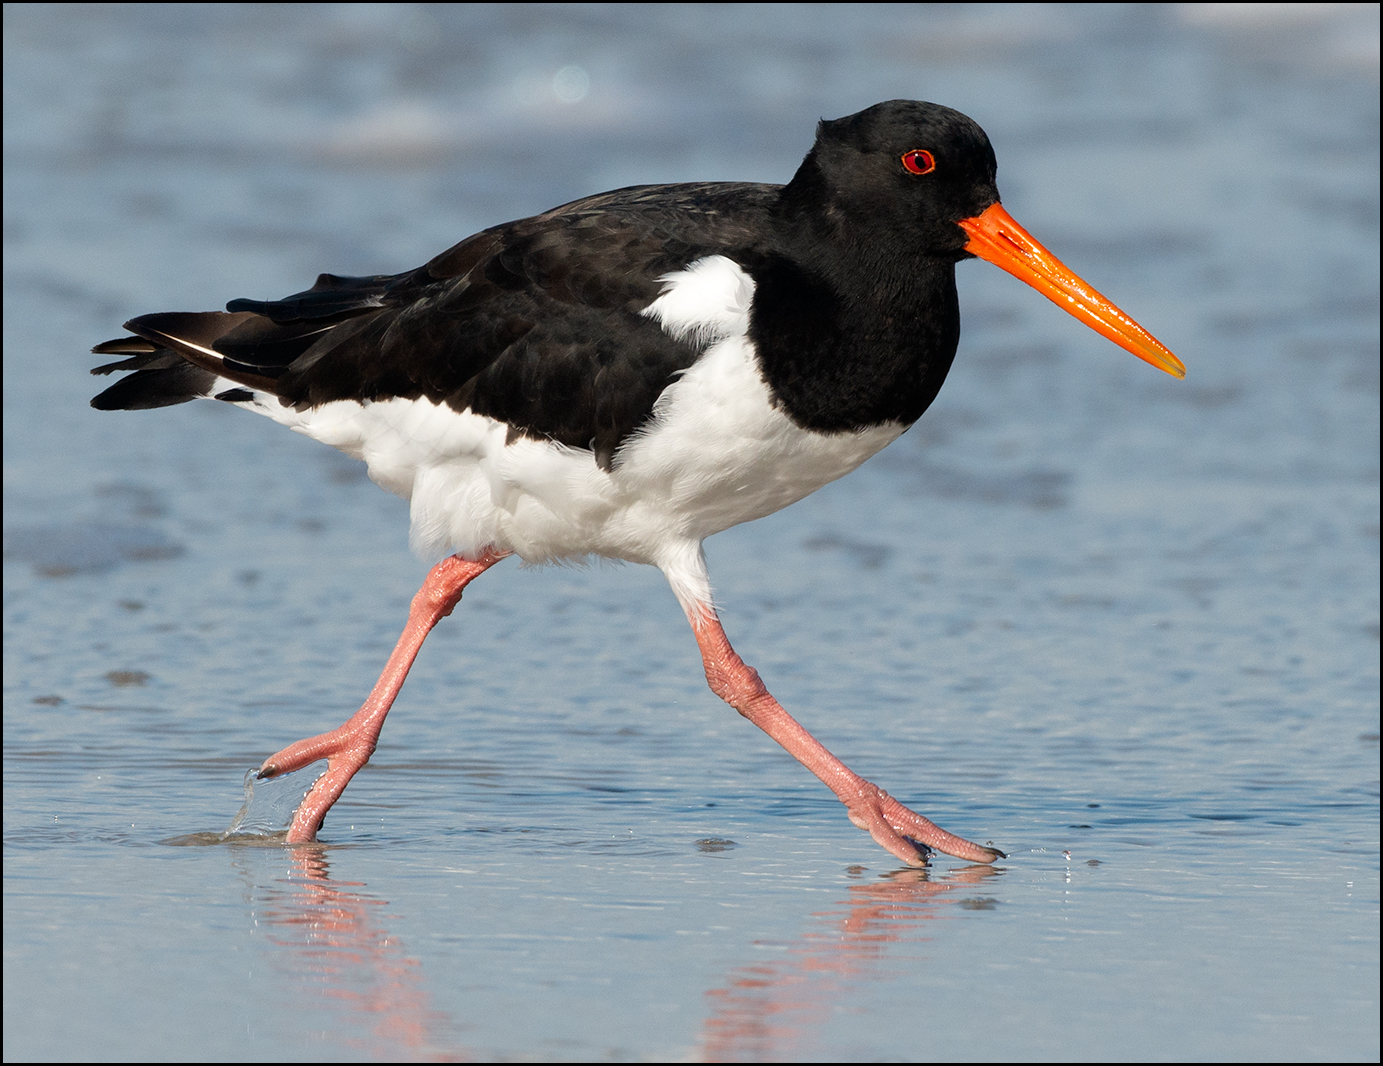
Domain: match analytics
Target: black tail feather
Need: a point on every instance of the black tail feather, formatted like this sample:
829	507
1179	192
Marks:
162	387
177	355
332	299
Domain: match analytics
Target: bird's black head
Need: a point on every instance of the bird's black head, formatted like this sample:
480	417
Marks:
903	167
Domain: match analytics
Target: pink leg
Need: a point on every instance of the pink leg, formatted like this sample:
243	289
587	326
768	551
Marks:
892	825
349	747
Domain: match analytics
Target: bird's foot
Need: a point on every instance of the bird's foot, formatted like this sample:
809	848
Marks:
345	749
905	833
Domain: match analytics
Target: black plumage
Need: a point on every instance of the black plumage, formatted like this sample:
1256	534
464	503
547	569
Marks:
537	322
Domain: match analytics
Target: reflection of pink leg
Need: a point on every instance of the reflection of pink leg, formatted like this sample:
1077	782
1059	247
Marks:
349	747
891	824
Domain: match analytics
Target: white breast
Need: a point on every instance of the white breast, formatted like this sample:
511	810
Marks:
716	453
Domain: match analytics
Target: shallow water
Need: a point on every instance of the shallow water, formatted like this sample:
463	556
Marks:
1124	627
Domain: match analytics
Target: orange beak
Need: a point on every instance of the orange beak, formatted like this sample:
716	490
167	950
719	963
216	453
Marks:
995	237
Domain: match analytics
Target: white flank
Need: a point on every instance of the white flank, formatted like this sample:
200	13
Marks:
716	453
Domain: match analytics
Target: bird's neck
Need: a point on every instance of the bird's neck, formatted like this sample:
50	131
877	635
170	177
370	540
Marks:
852	326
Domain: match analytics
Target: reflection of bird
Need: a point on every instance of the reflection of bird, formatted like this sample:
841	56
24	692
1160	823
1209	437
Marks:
627	374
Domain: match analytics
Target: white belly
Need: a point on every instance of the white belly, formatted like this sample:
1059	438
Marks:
716	453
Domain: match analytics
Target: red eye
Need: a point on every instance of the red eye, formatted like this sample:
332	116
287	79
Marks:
919	161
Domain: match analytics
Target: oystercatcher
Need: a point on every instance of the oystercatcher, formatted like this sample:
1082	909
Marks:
629	373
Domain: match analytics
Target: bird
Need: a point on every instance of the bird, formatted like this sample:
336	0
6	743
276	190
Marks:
627	374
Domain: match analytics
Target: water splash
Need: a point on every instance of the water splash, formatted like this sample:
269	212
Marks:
270	803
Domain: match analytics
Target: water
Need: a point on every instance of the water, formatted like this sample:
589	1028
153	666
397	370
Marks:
1122	626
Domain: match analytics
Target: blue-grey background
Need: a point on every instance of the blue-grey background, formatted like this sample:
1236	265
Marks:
1080	608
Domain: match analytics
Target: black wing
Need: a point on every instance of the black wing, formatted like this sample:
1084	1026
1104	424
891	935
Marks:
535	323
